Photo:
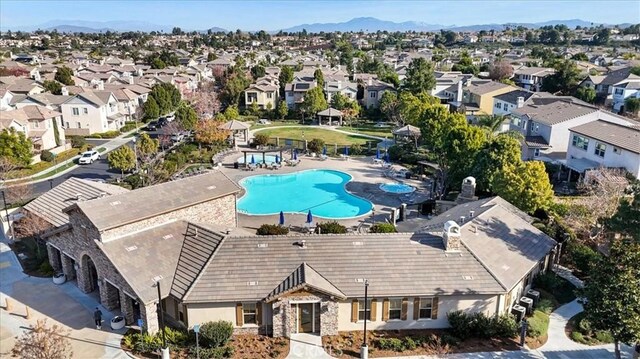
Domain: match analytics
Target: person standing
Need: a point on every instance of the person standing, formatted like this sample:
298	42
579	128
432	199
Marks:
97	316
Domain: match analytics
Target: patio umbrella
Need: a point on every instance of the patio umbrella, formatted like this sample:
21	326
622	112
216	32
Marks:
377	153
281	218
346	151
324	150
278	161
253	160
295	154
309	217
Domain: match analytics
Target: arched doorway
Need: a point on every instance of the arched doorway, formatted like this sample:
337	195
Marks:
90	274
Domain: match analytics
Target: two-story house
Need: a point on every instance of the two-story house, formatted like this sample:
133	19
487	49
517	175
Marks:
531	78
505	103
621	91
347	89
38	123
373	91
604	144
545	124
264	94
91	112
294	92
477	96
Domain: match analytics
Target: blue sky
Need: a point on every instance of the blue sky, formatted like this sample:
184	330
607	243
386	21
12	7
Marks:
274	15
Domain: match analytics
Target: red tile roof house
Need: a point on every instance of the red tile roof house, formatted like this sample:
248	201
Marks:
183	235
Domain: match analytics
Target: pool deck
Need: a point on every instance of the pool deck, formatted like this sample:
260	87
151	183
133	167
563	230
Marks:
367	178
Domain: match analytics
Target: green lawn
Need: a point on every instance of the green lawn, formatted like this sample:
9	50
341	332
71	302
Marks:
372	131
329	137
43	165
276	123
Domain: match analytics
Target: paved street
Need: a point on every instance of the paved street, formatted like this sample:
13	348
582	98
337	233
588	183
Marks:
98	170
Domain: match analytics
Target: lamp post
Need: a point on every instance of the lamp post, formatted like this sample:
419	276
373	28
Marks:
364	350
164	350
6	211
135	151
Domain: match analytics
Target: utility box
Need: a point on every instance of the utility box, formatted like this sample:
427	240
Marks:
527	303
519	312
535	295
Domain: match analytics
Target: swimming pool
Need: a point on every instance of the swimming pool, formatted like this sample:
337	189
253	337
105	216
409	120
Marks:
258	158
396	187
321	191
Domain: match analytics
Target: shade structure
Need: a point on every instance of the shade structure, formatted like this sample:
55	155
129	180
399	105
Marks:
277	159
309	217
281	218
324	150
377	153
346	151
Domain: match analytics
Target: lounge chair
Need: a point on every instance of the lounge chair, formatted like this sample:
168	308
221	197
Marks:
378	161
323	157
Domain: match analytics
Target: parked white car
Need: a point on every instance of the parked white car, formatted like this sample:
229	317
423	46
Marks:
178	137
88	157
170	118
264	121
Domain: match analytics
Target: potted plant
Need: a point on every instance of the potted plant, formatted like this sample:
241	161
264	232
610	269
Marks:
59	278
117	322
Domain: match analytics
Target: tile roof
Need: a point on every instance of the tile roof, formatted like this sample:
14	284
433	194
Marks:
199	245
49	205
512	96
402	264
554	110
302	277
126	208
485	87
626	137
143	257
536	142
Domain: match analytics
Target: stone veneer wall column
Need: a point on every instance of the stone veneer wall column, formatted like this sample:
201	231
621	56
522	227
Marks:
84	278
109	295
149	315
126	308
54	258
285	313
68	267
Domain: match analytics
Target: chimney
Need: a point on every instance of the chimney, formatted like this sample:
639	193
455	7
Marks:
471	213
64	91
339	85
468	188
451	236
459	92
462	220
520	102
370	81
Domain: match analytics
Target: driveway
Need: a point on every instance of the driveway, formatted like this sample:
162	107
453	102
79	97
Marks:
64	305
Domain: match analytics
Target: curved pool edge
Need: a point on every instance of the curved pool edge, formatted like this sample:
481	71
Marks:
244	189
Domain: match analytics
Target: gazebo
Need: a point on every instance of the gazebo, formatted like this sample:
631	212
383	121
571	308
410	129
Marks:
408	132
235	127
329	114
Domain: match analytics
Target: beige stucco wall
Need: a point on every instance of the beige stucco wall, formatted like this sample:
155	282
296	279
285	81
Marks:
486	100
471	303
210	312
220	211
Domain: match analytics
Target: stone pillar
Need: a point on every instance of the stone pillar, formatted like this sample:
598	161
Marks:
84	279
149	315
335	148
328	317
305	144
277	141
109	295
54	258
126	308
68	267
278	319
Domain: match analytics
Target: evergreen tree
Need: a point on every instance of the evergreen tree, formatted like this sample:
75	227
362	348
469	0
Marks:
15	146
420	77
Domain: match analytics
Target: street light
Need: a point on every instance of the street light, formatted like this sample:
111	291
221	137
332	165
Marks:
6	211
364	350
135	151
164	350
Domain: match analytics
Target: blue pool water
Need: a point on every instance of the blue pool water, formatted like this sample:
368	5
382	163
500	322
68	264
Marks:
397	188
258	158
321	191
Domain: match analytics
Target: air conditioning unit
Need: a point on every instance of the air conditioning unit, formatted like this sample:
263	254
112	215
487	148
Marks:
535	295
527	303
519	312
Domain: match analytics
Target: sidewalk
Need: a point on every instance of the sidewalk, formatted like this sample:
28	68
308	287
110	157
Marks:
109	146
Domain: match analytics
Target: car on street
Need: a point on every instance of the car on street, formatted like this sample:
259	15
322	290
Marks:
153	125
163	121
88	157
178	137
381	124
171	118
264	121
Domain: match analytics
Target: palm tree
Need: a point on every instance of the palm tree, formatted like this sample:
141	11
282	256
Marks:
491	122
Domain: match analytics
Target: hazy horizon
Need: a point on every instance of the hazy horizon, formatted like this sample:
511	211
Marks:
252	15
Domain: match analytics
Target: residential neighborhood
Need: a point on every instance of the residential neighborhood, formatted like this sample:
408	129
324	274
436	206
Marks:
338	189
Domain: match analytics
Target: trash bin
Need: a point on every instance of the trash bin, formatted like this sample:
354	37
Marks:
236	165
408	175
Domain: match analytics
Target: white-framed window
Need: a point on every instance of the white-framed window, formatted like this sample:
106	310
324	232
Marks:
395	309
66	125
535	127
601	148
498	105
361	312
619	91
78	125
85	110
75	111
269	95
580	142
373	94
35	124
536	152
426	305
617	151
249	313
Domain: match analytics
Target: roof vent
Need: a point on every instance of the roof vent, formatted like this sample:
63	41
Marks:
211	187
358	243
78	196
263	245
301	244
467	277
359	280
157	278
132	248
462	219
115	203
103	194
167	236
471	213
252	283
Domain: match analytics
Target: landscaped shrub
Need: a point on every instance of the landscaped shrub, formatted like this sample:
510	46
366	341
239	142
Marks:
562	290
394	344
584	326
545	305
481	325
46	269
128	127
356	149
272	230
460	324
211	353
395	153
538	324
604	336
582	256
409	343
578	337
78	141
504	326
331	227
383	228
216	334
316	145
260	139
108	134
47	156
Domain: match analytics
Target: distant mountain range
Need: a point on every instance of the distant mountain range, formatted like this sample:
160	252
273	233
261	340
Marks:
371	24
366	24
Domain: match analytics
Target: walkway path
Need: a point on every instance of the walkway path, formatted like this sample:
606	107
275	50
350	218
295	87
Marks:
306	346
64	305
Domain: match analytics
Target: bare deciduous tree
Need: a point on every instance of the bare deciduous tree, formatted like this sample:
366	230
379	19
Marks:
19	194
6	167
603	188
31	225
43	342
205	100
